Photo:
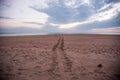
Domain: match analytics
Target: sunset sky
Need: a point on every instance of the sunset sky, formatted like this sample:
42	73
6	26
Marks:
59	16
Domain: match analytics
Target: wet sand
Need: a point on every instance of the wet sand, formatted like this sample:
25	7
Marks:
60	57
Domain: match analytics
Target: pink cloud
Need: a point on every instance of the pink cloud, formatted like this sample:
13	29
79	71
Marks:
8	23
106	30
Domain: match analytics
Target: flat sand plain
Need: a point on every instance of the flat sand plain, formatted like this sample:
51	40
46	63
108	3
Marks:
60	57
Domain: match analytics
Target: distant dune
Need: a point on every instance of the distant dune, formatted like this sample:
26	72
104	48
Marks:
60	57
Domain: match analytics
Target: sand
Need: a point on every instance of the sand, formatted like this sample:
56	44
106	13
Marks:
60	57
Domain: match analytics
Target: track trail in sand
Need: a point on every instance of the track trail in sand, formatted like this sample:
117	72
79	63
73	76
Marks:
62	65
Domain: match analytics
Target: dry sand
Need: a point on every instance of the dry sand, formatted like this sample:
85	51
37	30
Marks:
60	57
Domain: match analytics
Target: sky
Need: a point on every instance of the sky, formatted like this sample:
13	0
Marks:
59	16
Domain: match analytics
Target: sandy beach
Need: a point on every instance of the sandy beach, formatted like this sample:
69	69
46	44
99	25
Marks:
60	57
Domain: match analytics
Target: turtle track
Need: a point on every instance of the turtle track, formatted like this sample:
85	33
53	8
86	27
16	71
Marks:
62	66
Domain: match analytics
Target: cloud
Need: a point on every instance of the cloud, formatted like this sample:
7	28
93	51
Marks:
106	30
105	7
108	14
70	25
1	17
114	22
98	17
4	3
18	30
65	11
55	16
34	23
29	30
20	10
42	4
19	14
15	23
